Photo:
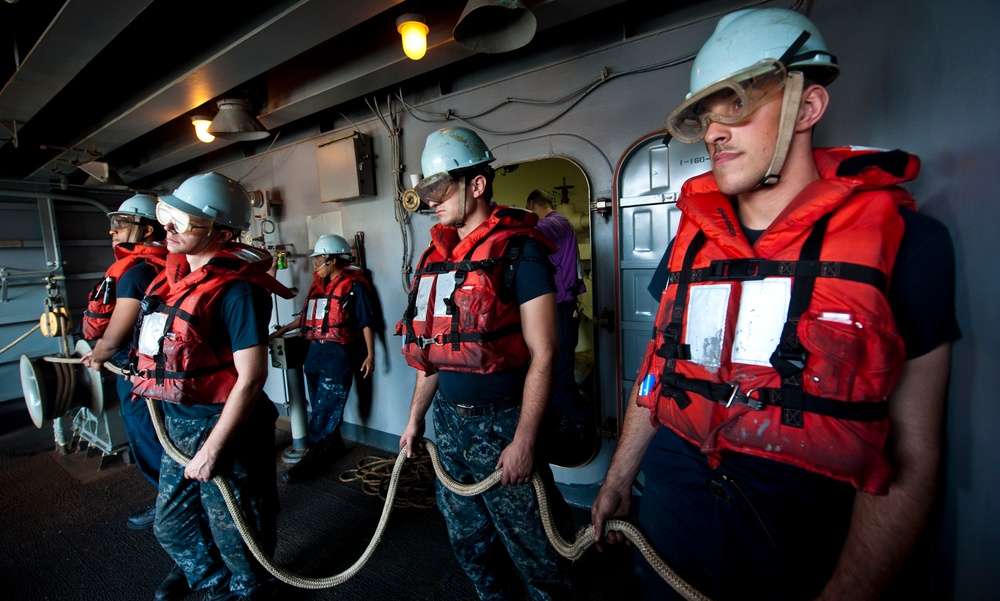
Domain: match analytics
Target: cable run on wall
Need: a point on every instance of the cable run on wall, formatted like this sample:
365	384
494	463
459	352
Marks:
576	96
390	121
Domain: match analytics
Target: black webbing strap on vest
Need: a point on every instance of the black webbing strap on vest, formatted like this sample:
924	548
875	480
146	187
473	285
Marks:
343	300
728	394
155	304
789	358
457	337
758	269
410	334
672	349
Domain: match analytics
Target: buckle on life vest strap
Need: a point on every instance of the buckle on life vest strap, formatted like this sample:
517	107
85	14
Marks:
425	342
736	269
735	396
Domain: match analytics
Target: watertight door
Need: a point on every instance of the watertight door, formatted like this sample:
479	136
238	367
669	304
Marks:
647	185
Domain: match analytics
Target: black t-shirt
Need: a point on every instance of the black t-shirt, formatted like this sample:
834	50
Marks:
922	285
132	284
533	279
244	314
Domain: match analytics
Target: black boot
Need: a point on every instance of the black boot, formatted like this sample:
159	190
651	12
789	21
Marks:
317	459
142	520
174	587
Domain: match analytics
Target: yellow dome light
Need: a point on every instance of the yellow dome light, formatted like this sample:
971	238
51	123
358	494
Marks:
201	123
414	30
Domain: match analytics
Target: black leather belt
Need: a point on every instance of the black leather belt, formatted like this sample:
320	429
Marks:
483	408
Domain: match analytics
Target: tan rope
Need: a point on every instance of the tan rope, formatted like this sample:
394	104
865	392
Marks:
584	538
416	486
19	339
111	367
571	551
248	536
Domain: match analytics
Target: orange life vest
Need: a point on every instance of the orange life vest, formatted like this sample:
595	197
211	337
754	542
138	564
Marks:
102	299
326	316
788	349
177	361
459	316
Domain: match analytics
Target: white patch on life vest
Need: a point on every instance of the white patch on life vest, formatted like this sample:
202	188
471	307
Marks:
445	288
317	308
424	288
152	330
706	322
844	318
763	312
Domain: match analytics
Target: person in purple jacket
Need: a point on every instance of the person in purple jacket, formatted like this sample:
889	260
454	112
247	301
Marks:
565	417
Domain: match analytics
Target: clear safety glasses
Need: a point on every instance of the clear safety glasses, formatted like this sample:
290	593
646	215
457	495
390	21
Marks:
728	101
434	188
166	215
120	222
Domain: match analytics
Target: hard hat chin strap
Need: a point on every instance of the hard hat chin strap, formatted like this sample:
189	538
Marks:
790	101
134	231
461	202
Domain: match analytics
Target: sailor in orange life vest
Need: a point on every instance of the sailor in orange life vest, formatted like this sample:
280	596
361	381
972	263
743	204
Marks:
336	320
479	328
108	321
202	349
787	415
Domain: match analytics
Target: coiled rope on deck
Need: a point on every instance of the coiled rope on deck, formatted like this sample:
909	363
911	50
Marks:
571	551
415	488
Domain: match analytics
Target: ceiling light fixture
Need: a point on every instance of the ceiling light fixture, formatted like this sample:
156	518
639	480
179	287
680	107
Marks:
201	123
235	122
414	30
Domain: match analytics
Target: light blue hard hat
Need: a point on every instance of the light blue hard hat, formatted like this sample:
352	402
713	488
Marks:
332	244
453	148
213	196
140	205
744	37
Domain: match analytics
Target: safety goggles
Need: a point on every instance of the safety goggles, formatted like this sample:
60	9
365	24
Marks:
434	188
181	221
728	101
120	222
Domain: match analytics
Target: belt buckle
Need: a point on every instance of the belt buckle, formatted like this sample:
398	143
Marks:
467	410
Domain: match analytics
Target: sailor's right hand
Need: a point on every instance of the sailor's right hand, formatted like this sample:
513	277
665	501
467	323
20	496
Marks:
88	360
412	439
611	502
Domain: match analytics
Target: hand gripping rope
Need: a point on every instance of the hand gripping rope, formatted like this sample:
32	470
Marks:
571	551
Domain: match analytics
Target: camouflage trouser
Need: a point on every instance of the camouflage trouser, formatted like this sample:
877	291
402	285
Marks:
329	385
193	524
501	530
